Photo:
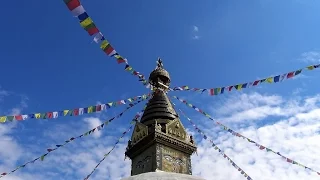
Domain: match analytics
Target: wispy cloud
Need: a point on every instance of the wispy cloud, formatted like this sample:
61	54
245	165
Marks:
311	57
195	29
195	32
92	123
294	133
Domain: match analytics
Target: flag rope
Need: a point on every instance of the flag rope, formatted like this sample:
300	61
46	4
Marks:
87	24
72	112
138	115
101	126
221	90
234	133
215	146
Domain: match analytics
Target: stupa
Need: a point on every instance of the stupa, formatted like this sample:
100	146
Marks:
160	147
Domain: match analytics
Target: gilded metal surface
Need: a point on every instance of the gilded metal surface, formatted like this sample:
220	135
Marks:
176	129
159	140
140	131
159	107
174	161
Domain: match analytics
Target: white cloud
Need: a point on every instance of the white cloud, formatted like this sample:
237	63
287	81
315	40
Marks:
195	37
195	28
195	32
311	57
93	123
295	134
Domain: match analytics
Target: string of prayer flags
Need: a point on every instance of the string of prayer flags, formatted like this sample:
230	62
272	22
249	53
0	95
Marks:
87	24
72	112
215	146
234	133
105	155
221	90
135	119
98	128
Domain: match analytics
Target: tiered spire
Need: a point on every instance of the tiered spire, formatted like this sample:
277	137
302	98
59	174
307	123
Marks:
159	140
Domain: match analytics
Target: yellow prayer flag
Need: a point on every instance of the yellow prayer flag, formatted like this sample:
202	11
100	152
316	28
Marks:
270	79
129	68
65	112
239	87
117	56
3	119
90	109
104	44
86	22
218	90
310	67
37	115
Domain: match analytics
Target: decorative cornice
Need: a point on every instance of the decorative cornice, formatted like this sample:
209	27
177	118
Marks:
183	146
162	138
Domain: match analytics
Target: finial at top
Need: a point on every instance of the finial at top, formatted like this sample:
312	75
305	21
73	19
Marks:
159	78
159	63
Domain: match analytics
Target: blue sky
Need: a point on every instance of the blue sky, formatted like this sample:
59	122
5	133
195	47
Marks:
48	62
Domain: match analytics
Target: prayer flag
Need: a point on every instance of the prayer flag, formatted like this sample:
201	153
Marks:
73	4
92	30
85	23
3	119
78	11
83	16
290	75
277	78
18	117
211	92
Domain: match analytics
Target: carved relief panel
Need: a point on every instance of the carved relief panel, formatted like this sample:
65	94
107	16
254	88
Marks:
140	131
176	129
174	161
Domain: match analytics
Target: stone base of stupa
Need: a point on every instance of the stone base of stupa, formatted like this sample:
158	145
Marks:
161	175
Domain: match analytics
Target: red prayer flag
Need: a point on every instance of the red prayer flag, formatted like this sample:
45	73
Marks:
73	4
76	112
261	147
49	115
93	30
256	82
290	75
3	174
135	72
49	150
120	60
289	160
230	88
108	49
98	108
211	92
18	117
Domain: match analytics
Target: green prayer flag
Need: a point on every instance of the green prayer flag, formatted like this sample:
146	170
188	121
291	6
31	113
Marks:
42	157
43	115
10	118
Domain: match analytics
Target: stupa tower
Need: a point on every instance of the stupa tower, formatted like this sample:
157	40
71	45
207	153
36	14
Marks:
159	141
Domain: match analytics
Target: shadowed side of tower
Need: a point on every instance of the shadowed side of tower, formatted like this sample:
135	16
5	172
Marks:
159	141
